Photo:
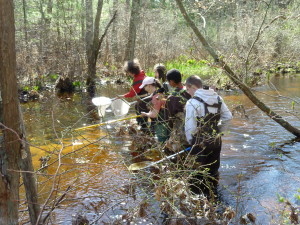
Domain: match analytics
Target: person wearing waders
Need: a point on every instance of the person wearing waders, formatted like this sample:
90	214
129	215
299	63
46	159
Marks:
204	113
174	114
176	100
153	86
133	69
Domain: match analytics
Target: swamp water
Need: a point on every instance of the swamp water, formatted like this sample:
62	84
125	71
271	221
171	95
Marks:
259	160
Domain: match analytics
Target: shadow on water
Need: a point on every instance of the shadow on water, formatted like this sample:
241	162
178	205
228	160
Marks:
259	160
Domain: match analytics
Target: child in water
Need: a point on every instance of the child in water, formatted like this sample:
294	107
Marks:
152	86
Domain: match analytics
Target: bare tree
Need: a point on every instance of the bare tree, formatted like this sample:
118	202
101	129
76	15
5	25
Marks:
93	42
129	52
114	36
247	91
25	23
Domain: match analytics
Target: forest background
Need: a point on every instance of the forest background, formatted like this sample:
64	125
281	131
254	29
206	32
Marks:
53	38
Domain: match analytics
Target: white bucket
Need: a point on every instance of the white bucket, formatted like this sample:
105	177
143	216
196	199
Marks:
120	107
102	104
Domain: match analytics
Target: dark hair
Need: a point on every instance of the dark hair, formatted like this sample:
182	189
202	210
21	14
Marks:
132	67
194	80
157	83
161	70
174	75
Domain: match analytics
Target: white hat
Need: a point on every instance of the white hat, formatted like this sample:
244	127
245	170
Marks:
146	81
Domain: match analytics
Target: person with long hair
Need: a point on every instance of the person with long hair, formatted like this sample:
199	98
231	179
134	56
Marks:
160	74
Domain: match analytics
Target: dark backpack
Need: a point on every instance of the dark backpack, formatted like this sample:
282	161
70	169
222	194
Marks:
207	125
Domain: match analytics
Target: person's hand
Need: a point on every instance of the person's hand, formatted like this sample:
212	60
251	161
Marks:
119	96
144	114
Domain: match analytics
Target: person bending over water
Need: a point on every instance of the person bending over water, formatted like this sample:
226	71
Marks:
152	86
133	69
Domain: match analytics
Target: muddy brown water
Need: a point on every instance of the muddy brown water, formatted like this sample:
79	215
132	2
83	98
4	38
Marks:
259	162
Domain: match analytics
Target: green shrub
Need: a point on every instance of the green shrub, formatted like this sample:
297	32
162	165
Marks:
189	67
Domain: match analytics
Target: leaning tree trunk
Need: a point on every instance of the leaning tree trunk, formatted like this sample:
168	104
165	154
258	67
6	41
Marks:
129	52
277	118
28	176
12	127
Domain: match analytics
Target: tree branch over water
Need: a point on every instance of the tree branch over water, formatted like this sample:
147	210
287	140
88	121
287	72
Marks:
277	118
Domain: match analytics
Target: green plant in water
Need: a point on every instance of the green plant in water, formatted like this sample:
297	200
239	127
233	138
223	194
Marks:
280	198
259	70
293	105
54	77
26	88
297	195
289	214
113	67
77	84
36	88
272	145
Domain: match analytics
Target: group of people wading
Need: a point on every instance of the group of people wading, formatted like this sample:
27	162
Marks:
181	115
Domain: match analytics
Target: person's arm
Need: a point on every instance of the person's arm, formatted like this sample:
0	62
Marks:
132	92
152	113
135	88
190	121
157	104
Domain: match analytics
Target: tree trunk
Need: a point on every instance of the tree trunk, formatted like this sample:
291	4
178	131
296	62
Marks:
129	52
235	25
89	41
13	130
82	21
49	12
10	151
93	43
25	24
57	23
114	36
235	78
127	4
29	177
